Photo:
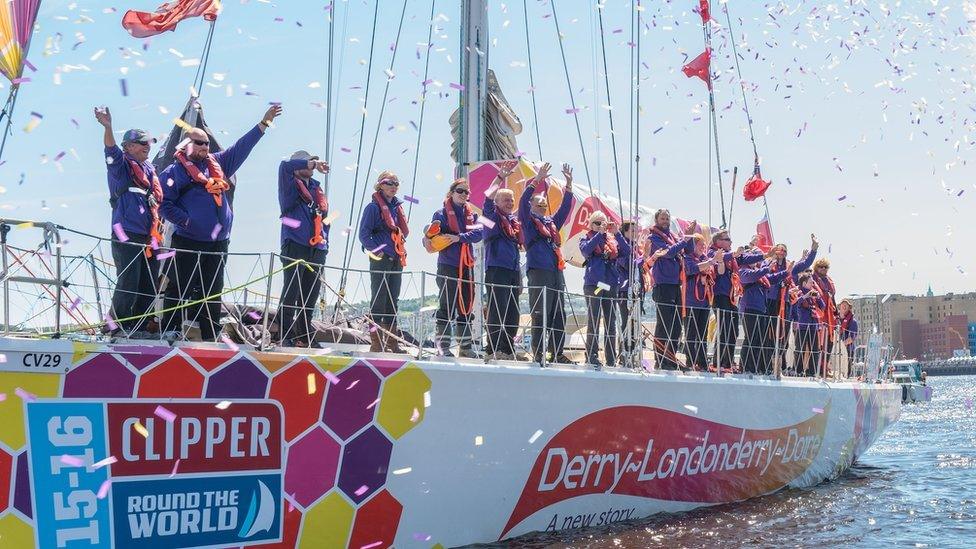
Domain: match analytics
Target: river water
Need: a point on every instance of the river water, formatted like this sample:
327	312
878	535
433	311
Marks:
916	487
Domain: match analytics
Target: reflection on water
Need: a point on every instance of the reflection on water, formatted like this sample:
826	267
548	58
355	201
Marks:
916	487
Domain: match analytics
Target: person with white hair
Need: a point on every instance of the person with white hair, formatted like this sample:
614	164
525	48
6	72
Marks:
503	244
601	246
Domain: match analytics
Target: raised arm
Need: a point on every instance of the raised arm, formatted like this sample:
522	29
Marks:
233	157
587	245
751	276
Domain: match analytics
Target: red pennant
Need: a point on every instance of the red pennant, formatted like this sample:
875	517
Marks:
700	67
755	187
705	11
142	24
765	234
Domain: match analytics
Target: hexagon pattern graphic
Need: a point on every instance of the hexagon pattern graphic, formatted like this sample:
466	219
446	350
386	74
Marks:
338	437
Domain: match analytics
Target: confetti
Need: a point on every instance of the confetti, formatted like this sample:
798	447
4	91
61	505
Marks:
415	416
104	463
165	414
311	384
361	490
24	395
456	86
222	405
120	233
842	198
176	467
817	410
111	323
486	222
289	222
535	436
479	440
165	255
377	249
402	471
229	342
103	489
690	408
371	545
141	430
216	231
411	200
331	377
125	87
72	461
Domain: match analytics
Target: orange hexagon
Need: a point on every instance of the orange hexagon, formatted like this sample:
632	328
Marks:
174	378
301	398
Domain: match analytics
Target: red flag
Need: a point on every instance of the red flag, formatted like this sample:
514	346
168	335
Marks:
700	67
142	24
705	11
765	234
755	187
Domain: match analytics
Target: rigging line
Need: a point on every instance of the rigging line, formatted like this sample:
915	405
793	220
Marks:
598	143
423	109
528	49
742	86
8	111
631	120
613	135
328	97
572	98
713	134
201	74
342	54
351	237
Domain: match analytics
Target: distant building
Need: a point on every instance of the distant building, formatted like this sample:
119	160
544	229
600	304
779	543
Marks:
926	327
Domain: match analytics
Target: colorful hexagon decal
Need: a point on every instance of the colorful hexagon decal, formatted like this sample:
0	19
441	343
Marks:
289	535
365	462
351	401
22	487
103	376
6	474
174	378
141	356
402	405
311	466
239	379
327	524
377	521
209	359
300	398
15	532
12	408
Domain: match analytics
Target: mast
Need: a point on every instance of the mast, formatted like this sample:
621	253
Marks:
474	91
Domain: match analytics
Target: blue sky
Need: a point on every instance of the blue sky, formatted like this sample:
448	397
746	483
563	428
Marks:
870	101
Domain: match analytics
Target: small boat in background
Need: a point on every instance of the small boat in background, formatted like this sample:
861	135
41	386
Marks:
909	374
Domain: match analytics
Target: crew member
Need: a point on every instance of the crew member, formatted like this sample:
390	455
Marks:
825	285
134	194
602	245
777	302
666	275
545	264
503	242
304	237
633	285
727	292
757	348
197	197
456	221
699	282
848	330
808	318
383	232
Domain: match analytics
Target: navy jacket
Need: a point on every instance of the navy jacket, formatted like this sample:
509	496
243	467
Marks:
753	292
539	253
373	232
667	269
723	282
293	205
806	308
130	203
451	255
600	268
500	250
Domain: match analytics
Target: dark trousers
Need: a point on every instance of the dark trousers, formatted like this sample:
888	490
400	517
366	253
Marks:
667	328
504	288
385	277
696	337
630	329
756	350
551	285
455	305
300	291
807	350
826	349
600	305
135	286
194	276
728	330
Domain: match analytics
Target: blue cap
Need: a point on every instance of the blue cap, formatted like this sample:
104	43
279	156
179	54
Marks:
137	136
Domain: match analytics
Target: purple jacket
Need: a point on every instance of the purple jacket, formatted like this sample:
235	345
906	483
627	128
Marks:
694	285
539	252
803	264
599	267
451	255
806	309
188	205
293	205
500	250
753	291
723	282
624	262
667	269
373	233
130	204
850	332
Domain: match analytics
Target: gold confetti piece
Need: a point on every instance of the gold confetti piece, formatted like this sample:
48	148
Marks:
179	122
479	440
141	430
25	225
311	384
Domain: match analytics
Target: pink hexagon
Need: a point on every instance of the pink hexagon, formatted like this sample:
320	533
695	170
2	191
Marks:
350	403
102	376
312	464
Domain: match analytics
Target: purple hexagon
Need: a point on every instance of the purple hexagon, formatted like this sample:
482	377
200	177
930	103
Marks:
348	402
364	464
312	464
239	379
141	356
102	376
22	489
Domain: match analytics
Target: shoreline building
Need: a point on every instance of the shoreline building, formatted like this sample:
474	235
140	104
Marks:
926	327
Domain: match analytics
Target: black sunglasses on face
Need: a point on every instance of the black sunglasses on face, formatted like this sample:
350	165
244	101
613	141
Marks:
462	191
598	223
201	143
390	183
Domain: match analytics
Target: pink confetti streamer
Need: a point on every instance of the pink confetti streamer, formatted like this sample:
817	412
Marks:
411	200
103	489
165	255
377	249
22	80
289	222
229	342
254	315
216	231
331	377
120	233
817	410
72	461
176	467
456	86
371	545
111	323
167	415
104	462
361	490
24	395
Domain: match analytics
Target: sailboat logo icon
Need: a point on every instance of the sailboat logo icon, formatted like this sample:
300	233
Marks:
260	512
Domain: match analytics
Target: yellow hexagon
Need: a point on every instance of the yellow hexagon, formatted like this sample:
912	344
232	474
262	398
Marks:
327	524
403	393
334	364
12	409
15	532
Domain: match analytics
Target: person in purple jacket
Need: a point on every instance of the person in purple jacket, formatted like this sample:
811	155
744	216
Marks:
848	330
135	193
757	349
602	245
726	292
777	305
699	272
666	273
808	307
503	244
304	237
197	200
545	264
455	269
630	296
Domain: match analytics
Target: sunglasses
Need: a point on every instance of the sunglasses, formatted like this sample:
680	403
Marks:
597	223
141	143
464	192
726	239
390	182
201	143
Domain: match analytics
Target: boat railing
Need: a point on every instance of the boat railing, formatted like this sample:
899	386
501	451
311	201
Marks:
57	294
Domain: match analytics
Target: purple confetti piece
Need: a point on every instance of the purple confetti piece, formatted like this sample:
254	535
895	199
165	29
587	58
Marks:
120	233
818	410
176	467
361	490
456	86
22	80
165	414
111	323
377	249
330	377
125	87
103	489
30	66
59	156
843	198
216	231
229	342
411	200
572	111
289	222
72	461
74	304
254	315
165	255
345	149
24	395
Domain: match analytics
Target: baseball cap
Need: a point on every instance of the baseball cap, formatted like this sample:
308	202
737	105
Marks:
137	136
303	155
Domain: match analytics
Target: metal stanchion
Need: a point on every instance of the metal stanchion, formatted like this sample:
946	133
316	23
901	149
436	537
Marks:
544	340
98	291
421	333
267	306
777	363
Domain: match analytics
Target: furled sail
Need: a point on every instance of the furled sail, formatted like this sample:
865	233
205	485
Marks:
501	125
